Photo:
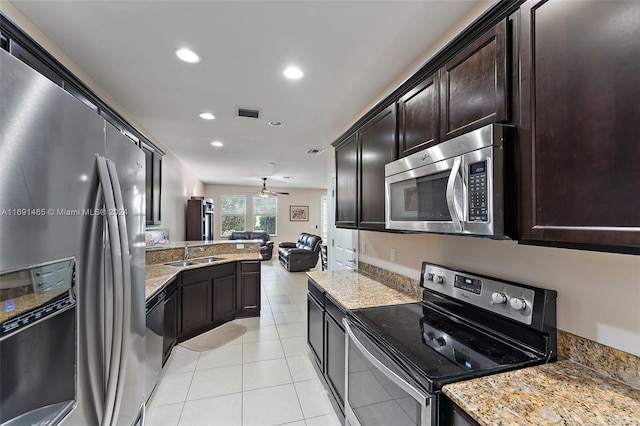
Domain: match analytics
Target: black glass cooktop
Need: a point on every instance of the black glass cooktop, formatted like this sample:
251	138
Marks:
437	349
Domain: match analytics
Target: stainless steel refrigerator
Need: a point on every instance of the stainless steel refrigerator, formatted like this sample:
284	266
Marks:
72	259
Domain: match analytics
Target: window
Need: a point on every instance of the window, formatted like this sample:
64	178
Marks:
265	214
233	211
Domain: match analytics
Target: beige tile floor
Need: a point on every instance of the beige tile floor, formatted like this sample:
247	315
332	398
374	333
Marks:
264	378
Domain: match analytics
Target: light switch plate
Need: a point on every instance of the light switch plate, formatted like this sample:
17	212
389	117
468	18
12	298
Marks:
393	255
240	246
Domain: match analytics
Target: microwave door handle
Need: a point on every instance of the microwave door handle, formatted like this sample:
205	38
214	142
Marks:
455	203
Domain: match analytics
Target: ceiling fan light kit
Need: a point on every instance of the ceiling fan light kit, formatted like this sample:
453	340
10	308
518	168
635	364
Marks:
265	193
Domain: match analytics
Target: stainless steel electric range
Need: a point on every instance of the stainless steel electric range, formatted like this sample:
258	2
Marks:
468	325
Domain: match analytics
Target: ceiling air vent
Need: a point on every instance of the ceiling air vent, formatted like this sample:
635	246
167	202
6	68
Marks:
315	151
248	112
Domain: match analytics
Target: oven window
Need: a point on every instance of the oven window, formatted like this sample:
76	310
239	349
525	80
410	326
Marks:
376	400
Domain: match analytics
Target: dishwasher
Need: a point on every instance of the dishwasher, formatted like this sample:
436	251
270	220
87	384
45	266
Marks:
154	310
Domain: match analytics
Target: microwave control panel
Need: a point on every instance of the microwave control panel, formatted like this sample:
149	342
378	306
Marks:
478	207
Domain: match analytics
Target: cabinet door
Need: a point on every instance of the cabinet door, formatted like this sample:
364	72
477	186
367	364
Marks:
153	184
315	330
249	294
196	308
170	334
334	361
347	183
378	146
224	299
419	117
579	122
474	85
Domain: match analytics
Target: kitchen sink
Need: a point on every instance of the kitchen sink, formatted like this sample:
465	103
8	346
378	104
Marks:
207	260
182	263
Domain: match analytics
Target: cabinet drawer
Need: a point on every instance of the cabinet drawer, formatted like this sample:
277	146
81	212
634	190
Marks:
316	292
334	310
208	273
250	266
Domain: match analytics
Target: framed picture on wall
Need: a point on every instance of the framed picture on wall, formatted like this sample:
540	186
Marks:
299	213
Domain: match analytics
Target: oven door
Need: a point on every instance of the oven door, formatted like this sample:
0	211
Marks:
378	391
427	198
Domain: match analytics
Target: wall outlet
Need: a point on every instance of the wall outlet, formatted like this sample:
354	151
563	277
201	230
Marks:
363	247
393	255
240	246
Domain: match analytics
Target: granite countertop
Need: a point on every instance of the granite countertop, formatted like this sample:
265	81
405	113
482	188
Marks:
181	244
353	290
561	393
157	276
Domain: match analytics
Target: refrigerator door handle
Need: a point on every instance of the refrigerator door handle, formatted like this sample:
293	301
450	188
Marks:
120	214
113	369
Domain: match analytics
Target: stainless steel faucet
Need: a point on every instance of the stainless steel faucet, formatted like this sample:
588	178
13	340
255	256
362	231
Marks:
188	252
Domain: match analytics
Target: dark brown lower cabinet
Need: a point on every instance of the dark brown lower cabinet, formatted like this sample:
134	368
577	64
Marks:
249	289
224	299
207	298
315	329
334	349
196	314
326	338
170	334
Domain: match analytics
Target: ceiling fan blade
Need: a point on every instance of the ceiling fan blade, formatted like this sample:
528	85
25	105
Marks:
281	193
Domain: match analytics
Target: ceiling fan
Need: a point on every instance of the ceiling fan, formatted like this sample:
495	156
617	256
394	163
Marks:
265	193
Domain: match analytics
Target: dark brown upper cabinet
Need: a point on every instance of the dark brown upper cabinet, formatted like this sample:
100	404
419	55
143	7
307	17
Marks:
377	146
473	88
579	123
153	184
347	183
419	117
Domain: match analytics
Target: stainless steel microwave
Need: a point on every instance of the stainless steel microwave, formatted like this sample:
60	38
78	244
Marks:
460	186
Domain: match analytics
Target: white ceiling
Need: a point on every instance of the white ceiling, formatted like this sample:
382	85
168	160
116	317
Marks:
350	51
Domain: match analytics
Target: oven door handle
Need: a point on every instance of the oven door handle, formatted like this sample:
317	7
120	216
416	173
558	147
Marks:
385	365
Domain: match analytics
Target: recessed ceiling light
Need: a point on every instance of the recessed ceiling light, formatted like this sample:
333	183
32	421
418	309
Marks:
217	144
287	177
293	73
272	164
207	116
188	56
275	123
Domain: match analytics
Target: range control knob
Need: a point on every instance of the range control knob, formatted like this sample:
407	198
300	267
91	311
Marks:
431	335
428	276
518	304
499	298
439	279
441	341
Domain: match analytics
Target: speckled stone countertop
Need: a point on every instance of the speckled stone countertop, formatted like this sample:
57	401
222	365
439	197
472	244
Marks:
158	275
561	393
353	290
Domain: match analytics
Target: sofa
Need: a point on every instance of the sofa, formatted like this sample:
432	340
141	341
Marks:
301	255
266	246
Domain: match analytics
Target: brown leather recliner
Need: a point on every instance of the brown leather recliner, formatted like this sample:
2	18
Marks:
301	255
266	245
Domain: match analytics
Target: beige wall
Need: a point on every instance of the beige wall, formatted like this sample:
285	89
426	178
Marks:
287	231
178	182
178	185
